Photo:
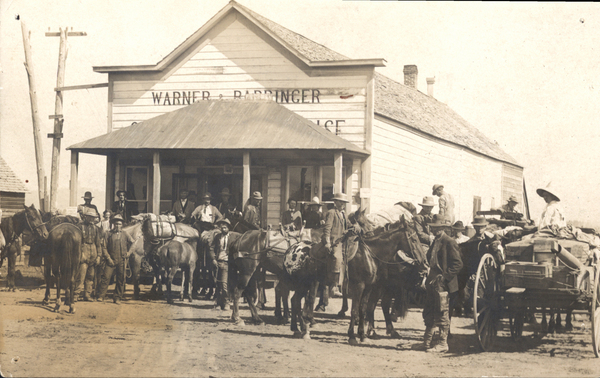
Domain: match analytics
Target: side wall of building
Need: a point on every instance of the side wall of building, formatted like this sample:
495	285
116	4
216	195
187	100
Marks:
407	163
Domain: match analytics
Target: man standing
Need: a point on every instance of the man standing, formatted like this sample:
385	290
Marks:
442	285
183	207
457	232
336	225
91	249
446	203
314	217
422	221
82	209
219	256
292	218
204	216
115	254
252	211
226	207
123	207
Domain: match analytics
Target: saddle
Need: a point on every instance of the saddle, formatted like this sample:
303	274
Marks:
162	226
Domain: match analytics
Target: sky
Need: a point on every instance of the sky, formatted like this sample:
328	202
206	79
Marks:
526	74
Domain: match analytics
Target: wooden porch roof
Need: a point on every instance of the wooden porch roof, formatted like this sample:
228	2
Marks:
9	182
222	125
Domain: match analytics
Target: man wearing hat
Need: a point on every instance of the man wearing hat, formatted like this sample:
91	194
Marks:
422	219
219	257
252	211
553	216
336	225
123	207
81	209
457	232
91	249
226	206
446	203
441	284
183	207
314	216
206	214
117	244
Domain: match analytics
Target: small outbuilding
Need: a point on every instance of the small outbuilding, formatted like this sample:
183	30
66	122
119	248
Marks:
12	191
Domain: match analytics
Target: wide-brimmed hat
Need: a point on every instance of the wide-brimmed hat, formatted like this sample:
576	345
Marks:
87	195
257	195
513	199
439	221
427	201
206	196
339	197
224	220
225	192
550	190
458	225
121	191
117	217
436	187
479	221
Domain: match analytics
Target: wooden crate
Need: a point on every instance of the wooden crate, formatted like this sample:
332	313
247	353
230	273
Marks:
527	275
563	277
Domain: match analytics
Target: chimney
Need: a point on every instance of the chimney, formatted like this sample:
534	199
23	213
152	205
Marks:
410	76
430	82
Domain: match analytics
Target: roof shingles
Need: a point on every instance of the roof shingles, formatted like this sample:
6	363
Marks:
9	182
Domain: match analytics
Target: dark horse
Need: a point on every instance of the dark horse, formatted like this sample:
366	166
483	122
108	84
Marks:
62	263
12	227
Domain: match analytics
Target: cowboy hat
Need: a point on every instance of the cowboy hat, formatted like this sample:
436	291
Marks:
439	221
87	195
224	220
225	192
427	201
121	191
513	199
436	187
339	197
206	195
458	225
117	217
315	201
479	221
548	189
257	195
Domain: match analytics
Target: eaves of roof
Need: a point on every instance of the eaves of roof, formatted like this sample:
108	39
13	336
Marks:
9	182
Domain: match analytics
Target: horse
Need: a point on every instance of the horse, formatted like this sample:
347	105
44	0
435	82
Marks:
11	228
254	249
179	255
62	262
407	271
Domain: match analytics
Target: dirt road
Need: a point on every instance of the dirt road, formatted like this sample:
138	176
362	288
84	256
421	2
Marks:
142	338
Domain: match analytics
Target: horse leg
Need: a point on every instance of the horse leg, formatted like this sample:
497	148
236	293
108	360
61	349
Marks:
356	298
568	320
311	296
190	280
558	320
306	314
235	315
48	280
71	296
295	312
552	322
135	263
170	273
370	315
251	298
544	321
386	302
12	265
363	310
278	297
342	312
286	306
58	283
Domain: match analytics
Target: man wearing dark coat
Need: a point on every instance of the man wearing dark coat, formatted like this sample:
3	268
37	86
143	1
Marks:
422	221
336	225
183	207
123	207
442	285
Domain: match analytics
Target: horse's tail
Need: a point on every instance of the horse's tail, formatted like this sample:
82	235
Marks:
69	263
401	302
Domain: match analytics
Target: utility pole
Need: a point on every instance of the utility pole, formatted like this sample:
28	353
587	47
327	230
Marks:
35	117
58	109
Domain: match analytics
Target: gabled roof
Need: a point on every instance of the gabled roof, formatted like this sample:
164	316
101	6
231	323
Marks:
9	182
393	100
424	113
223	125
311	53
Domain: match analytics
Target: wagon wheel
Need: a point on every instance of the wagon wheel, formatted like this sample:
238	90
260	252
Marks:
486	307
517	320
595	314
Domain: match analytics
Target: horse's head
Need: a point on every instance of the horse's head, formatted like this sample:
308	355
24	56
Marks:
411	244
34	222
359	217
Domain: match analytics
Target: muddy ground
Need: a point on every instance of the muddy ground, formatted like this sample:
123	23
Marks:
152	338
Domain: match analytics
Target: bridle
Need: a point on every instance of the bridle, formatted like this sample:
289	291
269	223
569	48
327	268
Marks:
36	228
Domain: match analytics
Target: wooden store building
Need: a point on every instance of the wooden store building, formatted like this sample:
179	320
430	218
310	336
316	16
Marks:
249	105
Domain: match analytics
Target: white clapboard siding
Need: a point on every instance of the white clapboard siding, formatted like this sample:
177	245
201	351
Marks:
512	184
235	62
406	165
274	196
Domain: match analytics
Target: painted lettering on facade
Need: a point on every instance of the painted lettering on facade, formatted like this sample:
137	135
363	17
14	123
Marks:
281	96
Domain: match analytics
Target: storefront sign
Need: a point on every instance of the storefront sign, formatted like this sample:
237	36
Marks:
281	96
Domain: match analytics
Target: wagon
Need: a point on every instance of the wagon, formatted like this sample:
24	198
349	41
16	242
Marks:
531	280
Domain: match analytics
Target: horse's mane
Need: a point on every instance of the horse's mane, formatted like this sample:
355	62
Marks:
384	232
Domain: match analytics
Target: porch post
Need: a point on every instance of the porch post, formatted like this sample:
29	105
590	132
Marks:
337	172
156	184
110	180
320	182
74	178
246	178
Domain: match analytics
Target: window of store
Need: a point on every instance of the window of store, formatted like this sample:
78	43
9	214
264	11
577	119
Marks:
136	179
303	182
